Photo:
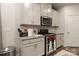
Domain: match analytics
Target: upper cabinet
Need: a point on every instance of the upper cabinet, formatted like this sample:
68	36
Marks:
31	14
33	11
36	13
27	14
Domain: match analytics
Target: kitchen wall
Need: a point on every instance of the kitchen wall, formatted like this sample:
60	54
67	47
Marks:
61	20
65	12
70	13
50	29
19	17
11	16
8	24
0	29
61	29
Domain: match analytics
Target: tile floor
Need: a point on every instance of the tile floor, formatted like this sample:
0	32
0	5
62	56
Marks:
74	50
64	53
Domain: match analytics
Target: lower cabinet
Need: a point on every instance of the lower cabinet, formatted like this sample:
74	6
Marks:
39	49
36	49
33	49
60	40
28	51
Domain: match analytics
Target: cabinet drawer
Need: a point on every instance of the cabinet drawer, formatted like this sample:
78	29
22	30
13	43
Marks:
27	45
32	41
36	43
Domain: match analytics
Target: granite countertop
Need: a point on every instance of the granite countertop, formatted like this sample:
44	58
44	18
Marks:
36	36
31	37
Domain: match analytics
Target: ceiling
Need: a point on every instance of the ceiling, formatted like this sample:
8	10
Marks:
58	5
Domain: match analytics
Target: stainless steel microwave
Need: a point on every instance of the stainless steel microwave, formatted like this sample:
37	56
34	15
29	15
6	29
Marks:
46	21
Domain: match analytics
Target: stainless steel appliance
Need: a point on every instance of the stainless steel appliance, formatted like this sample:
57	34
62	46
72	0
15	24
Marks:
46	21
49	40
50	43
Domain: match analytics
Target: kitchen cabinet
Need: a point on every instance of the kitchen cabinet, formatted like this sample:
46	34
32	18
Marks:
60	40
32	14
28	50
36	13
39	49
36	49
33	11
27	14
32	47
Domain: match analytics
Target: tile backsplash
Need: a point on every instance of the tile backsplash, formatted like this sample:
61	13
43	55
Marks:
35	27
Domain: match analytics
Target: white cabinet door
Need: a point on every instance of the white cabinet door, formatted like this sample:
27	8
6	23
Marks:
35	48
32	14
36	13
60	40
72	30
39	49
28	51
27	14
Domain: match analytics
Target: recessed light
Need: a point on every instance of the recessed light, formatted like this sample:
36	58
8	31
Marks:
27	4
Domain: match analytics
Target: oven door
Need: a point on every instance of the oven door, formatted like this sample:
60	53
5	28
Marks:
50	44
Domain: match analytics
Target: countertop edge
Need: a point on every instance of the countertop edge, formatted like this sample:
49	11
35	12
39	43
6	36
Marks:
29	38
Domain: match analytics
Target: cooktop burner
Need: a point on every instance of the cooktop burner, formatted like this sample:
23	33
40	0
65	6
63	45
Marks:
45	32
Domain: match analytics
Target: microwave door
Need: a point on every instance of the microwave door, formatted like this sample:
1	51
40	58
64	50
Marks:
46	21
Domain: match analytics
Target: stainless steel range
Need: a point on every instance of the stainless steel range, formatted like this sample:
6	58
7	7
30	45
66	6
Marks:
50	40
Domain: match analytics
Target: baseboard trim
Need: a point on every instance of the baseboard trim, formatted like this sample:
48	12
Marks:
72	46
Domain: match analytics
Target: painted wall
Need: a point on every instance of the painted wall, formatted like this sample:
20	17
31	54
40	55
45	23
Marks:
0	30
19	17
11	16
65	12
61	20
71	11
8	24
